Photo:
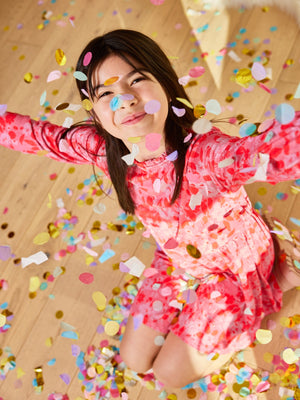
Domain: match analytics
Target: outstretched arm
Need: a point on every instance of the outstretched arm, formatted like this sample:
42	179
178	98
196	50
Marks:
79	145
272	156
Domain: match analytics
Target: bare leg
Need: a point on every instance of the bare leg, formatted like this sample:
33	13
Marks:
179	364
174	363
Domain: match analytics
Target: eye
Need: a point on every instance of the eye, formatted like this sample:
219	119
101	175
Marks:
104	94
138	79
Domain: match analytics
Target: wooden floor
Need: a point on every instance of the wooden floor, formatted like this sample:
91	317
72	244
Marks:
50	309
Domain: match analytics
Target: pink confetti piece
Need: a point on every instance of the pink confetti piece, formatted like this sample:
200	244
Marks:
157	2
196	72
171	244
179	111
189	296
86	277
123	267
150	272
187	138
5	253
87	58
54	75
265	125
258	71
152	141
75	350
152	106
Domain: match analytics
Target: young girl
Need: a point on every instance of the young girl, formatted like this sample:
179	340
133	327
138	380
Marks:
215	254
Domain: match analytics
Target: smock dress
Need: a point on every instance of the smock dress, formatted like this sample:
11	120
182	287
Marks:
211	282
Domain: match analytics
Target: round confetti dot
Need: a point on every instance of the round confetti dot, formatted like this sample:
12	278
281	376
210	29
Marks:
264	336
59	314
159	340
111	328
2	320
247	129
281	196
86	277
243	76
152	106
28	77
157	305
284	113
152	141
191	393
199	110
213	106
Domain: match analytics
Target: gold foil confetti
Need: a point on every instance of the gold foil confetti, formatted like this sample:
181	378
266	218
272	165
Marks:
193	251
60	57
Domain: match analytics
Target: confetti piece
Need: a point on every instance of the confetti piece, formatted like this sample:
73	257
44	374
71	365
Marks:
199	110
264	336
87	58
41	238
189	296
159	340
185	102
80	76
115	103
150	272
108	253
87	105
34	284
265	125
243	77
134	139
152	106
258	71
247	129
5	253
232	54
136	267
226	162
66	378
178	111
295	221
172	156
196	72
60	57
297	92
69	335
193	251
28	77
86	278
171	244
111	328
152	141
2	320
37	258
111	81
54	75
184	80
3	108
99	300
284	113
202	126
213	106
156	185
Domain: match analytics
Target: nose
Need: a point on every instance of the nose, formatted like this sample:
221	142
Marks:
128	100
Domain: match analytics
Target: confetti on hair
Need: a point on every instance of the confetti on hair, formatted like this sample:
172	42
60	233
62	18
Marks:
185	102
179	111
87	58
80	76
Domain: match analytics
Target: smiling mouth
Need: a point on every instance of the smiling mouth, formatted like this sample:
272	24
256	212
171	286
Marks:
133	119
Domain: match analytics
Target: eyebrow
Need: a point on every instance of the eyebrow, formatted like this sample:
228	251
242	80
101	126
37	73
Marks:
134	71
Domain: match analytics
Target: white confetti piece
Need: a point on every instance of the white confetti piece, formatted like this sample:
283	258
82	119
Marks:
226	162
289	356
129	158
264	336
196	200
232	54
37	258
202	125
261	172
136	267
213	106
297	92
54	75
258	71
156	185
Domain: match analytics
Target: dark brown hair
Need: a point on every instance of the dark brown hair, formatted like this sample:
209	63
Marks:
140	48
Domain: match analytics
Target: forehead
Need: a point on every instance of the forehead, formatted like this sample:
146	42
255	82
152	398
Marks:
114	66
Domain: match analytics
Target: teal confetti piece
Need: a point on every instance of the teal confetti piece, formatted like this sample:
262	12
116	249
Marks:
295	221
106	255
70	335
80	76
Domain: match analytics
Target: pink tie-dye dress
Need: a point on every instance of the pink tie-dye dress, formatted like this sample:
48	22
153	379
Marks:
211	282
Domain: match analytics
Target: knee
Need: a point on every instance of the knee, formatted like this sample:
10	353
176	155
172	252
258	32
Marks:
134	360
169	374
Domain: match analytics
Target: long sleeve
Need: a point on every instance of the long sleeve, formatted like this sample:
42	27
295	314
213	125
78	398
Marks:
272	156
80	145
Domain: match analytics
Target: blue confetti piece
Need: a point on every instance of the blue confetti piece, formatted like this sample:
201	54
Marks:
115	103
4	305
295	221
284	113
80	76
69	335
247	129
52	362
106	255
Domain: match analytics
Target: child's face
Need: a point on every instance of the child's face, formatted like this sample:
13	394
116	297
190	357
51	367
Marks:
121	95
